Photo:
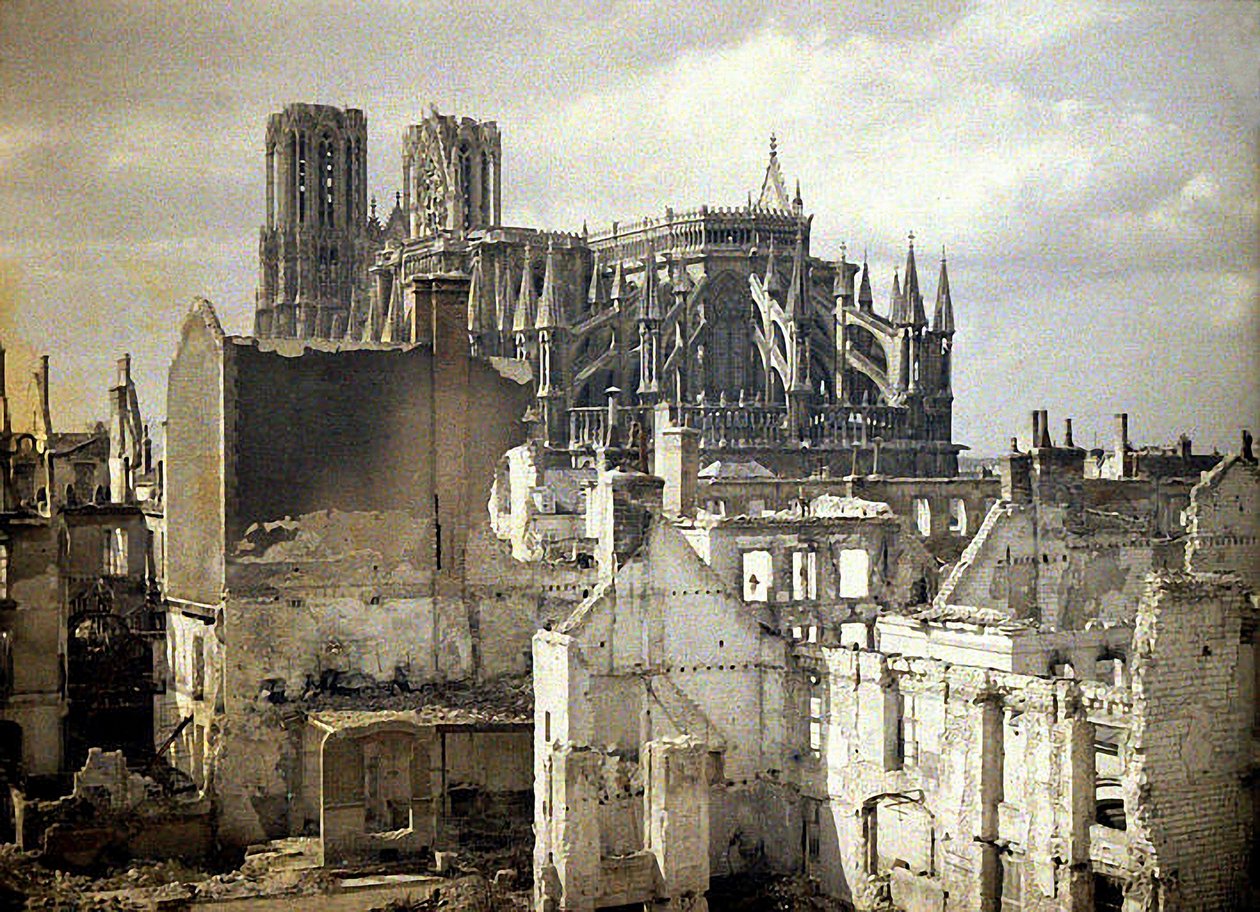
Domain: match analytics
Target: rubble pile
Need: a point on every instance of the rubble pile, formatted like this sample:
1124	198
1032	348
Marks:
467	894
25	883
766	893
506	699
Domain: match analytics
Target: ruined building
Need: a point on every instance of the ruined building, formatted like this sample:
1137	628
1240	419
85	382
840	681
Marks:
723	313
1068	724
80	612
329	565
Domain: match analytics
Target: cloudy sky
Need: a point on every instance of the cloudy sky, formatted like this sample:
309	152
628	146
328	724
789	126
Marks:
1092	169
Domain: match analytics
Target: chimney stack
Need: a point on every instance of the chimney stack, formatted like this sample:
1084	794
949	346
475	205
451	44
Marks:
1067	434
43	416
1122	442
678	462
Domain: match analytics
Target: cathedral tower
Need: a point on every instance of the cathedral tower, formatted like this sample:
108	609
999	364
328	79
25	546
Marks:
451	175
314	249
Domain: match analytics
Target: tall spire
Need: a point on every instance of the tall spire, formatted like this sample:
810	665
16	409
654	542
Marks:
549	303
773	189
593	295
914	314
771	281
475	308
896	303
523	319
866	300
798	289
502	295
840	285
618	289
943	319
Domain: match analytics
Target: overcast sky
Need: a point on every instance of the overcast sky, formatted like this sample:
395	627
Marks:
1092	169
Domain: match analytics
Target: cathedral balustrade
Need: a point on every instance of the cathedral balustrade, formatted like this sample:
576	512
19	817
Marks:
844	425
738	426
588	425
698	230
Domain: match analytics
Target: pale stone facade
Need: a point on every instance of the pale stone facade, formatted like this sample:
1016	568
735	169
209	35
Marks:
1044	735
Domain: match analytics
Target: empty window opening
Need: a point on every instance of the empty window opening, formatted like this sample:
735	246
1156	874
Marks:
816	703
115	552
923	516
907	735
758	576
958	516
387	763
811	834
855	573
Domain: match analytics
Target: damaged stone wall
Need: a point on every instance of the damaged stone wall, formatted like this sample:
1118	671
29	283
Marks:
1223	521
1193	714
667	649
812	577
939	778
33	650
947	500
1062	550
113	814
332	558
197	417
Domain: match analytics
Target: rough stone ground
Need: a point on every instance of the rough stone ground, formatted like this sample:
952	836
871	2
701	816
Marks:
468	894
764	893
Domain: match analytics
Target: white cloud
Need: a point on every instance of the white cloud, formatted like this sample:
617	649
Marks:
1089	166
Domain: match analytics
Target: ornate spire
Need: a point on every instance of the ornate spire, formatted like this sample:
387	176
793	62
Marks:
549	303
773	190
914	314
797	203
593	293
771	281
523	319
943	319
476	284
866	300
502	296
840	285
896	303
618	290
798	288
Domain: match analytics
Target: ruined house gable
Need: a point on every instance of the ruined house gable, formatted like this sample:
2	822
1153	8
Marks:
1223	521
665	606
195	466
